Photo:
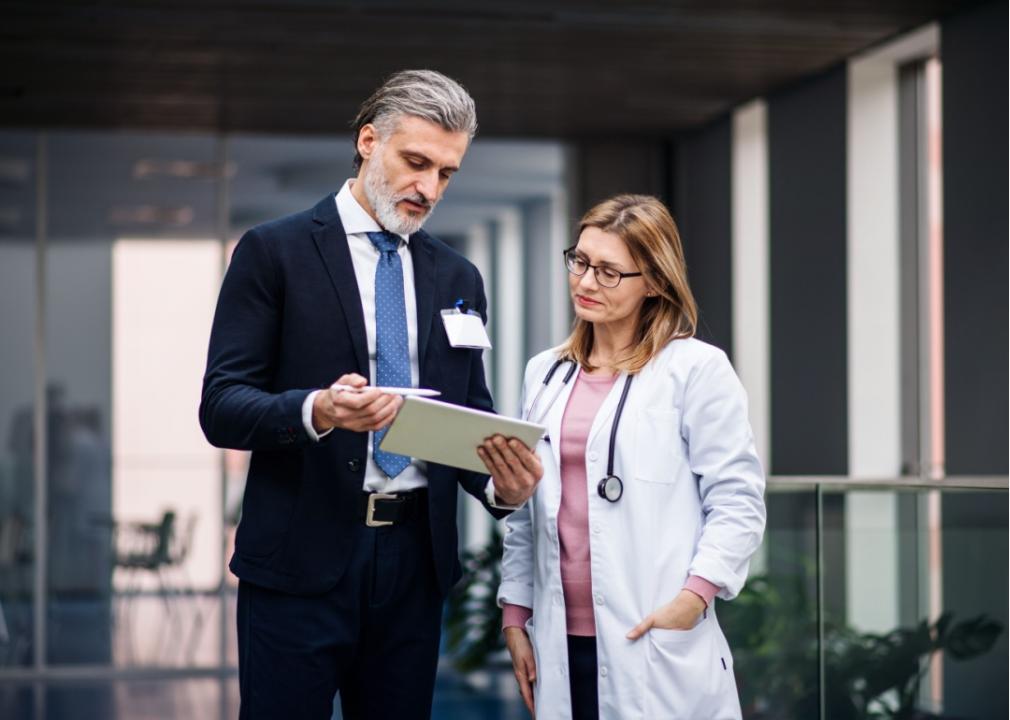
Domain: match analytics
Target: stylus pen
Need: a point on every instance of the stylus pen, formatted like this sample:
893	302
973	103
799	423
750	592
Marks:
421	392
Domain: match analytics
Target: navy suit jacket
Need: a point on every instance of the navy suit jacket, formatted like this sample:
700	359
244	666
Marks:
289	321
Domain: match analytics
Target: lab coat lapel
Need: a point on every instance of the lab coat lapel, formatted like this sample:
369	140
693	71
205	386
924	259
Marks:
557	411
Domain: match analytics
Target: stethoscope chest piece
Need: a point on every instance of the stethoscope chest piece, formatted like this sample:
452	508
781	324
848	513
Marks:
610	488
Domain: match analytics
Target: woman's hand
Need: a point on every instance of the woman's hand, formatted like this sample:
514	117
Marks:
680	614
523	664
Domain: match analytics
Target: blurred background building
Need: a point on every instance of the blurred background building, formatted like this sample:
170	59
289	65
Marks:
837	171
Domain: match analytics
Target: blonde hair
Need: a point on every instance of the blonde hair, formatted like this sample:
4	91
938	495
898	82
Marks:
652	238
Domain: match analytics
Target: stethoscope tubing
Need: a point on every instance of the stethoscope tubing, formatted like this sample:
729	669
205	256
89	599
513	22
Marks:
610	480
546	383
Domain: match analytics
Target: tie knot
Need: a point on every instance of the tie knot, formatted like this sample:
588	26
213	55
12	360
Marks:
385	241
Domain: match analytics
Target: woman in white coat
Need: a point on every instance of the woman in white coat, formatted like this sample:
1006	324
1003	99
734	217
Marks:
651	502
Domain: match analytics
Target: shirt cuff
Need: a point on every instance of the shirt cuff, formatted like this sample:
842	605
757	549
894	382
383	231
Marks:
489	494
307	418
515	616
702	588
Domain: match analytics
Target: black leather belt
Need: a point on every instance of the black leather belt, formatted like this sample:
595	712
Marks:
380	509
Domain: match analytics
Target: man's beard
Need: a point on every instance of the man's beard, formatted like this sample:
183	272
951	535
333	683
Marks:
383	201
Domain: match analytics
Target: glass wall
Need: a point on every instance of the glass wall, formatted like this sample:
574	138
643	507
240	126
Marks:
117	519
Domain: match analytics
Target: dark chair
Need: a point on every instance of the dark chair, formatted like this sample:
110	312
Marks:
160	549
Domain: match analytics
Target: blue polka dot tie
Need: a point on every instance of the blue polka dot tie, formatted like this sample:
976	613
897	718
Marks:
392	353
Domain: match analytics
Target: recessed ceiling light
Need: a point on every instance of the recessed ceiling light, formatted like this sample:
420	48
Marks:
151	215
14	171
153	167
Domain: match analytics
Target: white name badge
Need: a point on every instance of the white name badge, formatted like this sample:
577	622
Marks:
465	330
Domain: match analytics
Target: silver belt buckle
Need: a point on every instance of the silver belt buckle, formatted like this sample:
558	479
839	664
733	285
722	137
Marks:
370	520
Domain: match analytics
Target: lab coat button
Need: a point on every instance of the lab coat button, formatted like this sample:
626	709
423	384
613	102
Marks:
603	671
599	599
596	528
593	456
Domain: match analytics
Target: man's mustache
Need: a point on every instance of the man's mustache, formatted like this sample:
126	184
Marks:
417	199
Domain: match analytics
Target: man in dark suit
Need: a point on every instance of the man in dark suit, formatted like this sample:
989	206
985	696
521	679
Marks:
345	552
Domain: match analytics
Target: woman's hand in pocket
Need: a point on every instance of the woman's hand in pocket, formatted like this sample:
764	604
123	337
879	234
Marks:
681	613
523	664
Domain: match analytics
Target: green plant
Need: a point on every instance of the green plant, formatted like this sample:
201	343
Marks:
473	618
772	628
882	674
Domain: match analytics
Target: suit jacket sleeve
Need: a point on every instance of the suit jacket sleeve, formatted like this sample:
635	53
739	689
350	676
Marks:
479	397
239	408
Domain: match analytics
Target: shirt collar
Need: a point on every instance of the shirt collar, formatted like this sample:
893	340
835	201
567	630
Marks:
355	218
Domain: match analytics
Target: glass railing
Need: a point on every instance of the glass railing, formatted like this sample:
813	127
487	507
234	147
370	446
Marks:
868	599
876	600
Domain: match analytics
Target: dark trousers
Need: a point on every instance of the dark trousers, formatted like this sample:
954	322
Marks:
582	677
374	637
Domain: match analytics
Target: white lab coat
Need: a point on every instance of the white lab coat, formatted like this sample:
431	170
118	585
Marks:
692	505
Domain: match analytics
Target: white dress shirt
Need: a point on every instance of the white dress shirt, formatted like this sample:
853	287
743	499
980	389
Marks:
365	258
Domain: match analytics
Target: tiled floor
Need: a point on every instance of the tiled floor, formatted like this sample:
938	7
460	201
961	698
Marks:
148	634
202	699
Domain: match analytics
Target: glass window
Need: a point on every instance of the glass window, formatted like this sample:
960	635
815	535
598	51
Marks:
18	318
133	498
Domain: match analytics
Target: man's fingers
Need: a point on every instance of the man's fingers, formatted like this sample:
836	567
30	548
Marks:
386	416
355	400
491	451
511	460
486	459
527	457
640	629
352	379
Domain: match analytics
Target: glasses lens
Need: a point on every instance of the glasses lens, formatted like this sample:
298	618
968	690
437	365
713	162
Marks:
608	277
576	265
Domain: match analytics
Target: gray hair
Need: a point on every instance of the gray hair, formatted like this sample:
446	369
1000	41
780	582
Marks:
426	94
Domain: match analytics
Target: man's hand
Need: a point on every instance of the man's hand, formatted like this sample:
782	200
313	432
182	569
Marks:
357	411
680	614
523	663
516	469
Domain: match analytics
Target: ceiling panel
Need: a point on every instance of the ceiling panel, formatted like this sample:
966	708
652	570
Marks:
549	69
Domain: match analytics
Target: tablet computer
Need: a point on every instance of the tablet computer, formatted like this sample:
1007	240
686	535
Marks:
448	434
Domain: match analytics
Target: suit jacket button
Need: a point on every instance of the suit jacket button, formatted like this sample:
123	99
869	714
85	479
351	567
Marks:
354	465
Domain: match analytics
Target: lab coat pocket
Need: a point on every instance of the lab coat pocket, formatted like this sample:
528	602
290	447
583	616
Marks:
683	677
658	446
665	636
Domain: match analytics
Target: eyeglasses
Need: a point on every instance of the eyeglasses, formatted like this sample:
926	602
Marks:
606	276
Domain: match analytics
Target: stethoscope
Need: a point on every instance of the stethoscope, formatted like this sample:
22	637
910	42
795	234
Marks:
611	487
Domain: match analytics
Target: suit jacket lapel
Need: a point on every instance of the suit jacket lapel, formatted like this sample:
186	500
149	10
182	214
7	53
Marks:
331	242
425	267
